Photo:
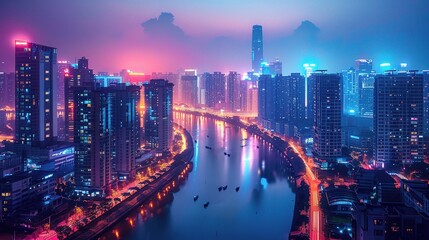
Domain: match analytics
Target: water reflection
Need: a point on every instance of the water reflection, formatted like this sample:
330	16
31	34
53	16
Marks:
261	209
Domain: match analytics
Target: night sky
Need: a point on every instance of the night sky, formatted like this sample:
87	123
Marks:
168	35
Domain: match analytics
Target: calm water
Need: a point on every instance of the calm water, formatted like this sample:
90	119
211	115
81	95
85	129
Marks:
262	209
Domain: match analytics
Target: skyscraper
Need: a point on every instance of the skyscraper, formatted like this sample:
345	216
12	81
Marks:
363	65
189	88
426	103
35	98
159	114
79	76
296	99
233	92
398	118
327	116
215	89
350	92
257	48
125	129
93	141
7	89
366	94
266	108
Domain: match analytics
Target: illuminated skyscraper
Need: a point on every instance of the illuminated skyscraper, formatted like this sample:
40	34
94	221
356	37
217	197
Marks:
75	77
215	89
398	118
426	102
350	92
327	116
308	70
93	141
363	65
35	98
7	89
257	48
189	88
266	108
159	114
366	94
233	92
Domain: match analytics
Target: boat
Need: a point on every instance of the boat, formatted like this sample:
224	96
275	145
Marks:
195	141
206	204
225	187
257	146
225	153
220	188
237	189
196	197
208	136
229	155
210	148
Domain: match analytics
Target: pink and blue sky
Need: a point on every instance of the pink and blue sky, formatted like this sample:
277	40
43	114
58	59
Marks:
168	35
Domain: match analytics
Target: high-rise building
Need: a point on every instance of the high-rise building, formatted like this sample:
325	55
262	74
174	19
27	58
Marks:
107	136
257	48
252	98
159	114
366	94
276	67
327	116
7	89
398	119
350	92
363	65
233	92
75	77
426	103
266	108
189	88
173	78
296	99
35	99
63	69
125	129
215	89
308	70
93	141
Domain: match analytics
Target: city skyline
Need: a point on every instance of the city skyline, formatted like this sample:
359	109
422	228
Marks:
133	31
265	120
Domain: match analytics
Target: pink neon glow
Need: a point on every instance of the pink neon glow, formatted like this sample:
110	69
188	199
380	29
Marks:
21	43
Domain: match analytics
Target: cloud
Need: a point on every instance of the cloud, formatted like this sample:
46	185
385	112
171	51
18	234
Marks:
163	27
307	30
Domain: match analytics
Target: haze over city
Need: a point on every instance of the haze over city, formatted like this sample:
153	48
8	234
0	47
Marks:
215	35
244	119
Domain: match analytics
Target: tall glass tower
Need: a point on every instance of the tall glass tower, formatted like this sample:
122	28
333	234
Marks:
35	98
257	48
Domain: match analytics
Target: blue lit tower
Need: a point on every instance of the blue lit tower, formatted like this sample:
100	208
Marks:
398	118
158	123
257	48
327	116
79	76
93	141
35	98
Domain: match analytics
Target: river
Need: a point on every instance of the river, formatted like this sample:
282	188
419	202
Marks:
261	209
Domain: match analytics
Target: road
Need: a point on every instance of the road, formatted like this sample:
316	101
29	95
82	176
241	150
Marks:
100	224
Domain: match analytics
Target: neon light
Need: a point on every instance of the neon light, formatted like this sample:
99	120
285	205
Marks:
404	65
21	43
385	65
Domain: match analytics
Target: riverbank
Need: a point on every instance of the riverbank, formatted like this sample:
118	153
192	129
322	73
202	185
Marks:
302	196
180	166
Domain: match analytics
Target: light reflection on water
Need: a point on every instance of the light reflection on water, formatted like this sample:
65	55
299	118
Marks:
261	209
